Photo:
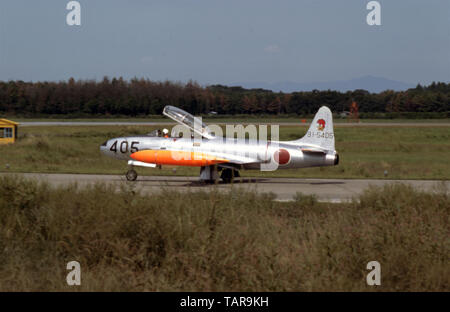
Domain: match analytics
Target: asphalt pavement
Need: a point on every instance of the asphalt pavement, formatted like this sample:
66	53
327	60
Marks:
329	190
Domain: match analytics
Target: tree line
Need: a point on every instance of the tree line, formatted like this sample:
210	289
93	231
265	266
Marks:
143	97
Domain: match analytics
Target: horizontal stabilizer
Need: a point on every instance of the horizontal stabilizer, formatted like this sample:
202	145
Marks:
313	151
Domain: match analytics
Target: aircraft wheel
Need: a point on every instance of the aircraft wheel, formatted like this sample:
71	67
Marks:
131	175
228	175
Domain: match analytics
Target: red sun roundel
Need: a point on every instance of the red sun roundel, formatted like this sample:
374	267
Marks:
320	124
282	156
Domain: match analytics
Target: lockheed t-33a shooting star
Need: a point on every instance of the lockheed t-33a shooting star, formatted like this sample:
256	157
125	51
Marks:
214	154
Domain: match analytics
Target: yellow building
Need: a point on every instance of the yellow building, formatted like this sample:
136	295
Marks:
8	131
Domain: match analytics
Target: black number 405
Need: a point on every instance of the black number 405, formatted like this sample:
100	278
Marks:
123	148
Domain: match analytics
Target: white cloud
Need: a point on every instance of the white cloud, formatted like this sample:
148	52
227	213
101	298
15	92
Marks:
273	48
147	59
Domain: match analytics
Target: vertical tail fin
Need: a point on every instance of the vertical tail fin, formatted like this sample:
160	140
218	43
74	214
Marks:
320	132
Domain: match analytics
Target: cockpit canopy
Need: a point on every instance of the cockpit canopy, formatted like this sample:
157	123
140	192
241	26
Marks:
188	120
154	133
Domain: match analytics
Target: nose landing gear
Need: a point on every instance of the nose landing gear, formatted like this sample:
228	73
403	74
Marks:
131	175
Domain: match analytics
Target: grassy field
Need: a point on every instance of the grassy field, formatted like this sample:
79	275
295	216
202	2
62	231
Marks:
246	119
404	152
209	241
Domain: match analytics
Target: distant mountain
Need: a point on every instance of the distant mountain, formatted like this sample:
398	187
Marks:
369	83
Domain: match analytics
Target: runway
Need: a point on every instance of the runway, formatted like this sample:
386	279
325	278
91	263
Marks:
327	190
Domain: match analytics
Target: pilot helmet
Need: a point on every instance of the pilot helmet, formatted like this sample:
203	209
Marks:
165	131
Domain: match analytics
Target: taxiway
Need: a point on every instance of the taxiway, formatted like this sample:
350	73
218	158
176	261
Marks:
285	189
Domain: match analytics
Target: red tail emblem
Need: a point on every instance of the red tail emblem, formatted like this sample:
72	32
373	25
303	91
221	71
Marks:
320	124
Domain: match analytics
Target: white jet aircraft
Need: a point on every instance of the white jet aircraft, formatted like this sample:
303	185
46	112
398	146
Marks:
217	154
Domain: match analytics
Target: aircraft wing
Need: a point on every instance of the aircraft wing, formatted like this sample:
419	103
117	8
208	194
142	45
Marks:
236	159
149	158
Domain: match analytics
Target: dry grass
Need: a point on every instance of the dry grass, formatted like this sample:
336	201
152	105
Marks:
202	241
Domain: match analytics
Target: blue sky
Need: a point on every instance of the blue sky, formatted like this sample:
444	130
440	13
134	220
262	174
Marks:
225	41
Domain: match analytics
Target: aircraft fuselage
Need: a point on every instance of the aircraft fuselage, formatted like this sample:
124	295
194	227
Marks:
203	152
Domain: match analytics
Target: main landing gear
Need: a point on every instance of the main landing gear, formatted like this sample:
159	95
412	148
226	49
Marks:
131	175
228	175
209	174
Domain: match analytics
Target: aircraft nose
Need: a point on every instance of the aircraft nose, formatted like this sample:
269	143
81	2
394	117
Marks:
103	147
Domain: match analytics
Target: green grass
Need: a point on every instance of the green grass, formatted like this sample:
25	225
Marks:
212	241
404	152
246	119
